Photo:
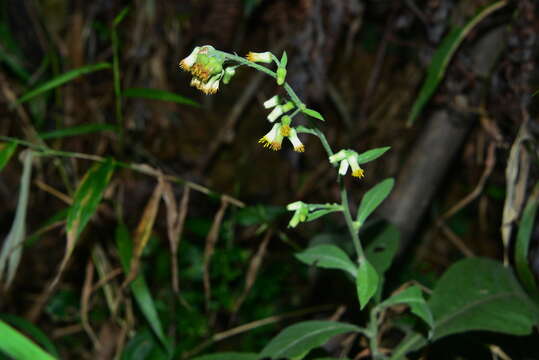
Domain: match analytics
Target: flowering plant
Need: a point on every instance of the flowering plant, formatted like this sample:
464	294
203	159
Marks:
209	67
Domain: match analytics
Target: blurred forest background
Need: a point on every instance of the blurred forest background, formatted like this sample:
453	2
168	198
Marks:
215	262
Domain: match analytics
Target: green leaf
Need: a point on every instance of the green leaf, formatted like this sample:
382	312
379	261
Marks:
412	297
6	152
139	286
144	345
481	294
522	245
383	248
300	338
62	79
372	199
366	282
327	257
443	56
77	130
87	197
322	212
228	356
284	60
156	94
371	155
314	114
33	331
19	347
120	17
476	294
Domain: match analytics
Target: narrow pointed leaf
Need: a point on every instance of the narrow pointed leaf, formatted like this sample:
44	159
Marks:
373	198
86	199
32	331
138	286
162	95
18	346
314	114
77	130
229	356
371	155
522	245
62	79
11	253
327	257
299	339
412	297
443	56
367	281
6	152
383	249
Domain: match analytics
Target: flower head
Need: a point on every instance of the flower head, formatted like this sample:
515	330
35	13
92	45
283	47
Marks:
278	132
301	211
296	142
207	69
263	57
273	139
272	102
346	159
189	61
357	171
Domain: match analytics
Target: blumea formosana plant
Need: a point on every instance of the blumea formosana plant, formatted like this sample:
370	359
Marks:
209	67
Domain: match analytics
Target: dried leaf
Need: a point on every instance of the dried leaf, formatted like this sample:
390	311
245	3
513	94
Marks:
144	230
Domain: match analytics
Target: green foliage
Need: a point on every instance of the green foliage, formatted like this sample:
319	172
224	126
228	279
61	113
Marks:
6	152
367	282
228	356
34	332
522	245
476	294
313	113
18	346
372	199
371	155
412	297
156	94
139	287
443	56
328	257
61	80
77	130
383	248
299	339
88	196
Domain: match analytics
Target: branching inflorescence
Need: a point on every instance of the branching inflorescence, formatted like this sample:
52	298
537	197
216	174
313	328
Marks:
209	67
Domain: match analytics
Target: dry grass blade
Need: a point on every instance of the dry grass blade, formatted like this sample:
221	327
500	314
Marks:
144	230
516	175
85	303
254	266
106	274
11	252
175	223
211	241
